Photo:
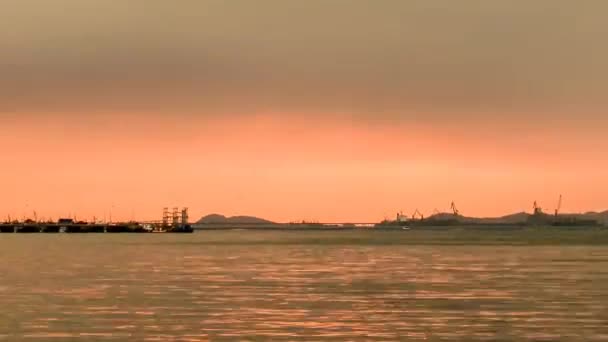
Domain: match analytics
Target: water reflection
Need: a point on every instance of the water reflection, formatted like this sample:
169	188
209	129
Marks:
156	288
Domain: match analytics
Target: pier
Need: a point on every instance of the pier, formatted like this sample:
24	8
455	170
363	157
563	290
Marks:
175	222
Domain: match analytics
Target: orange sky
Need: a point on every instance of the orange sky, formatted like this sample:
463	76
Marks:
337	169
290	110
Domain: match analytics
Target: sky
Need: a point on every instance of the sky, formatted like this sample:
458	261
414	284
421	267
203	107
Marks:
340	110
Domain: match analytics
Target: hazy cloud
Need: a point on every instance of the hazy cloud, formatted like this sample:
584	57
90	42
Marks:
364	57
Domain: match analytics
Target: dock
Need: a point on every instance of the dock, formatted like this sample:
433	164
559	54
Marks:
174	222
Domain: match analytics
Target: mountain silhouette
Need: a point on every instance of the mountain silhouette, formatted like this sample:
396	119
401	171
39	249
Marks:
221	219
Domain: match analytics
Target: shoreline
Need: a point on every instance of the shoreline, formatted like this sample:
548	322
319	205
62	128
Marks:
473	227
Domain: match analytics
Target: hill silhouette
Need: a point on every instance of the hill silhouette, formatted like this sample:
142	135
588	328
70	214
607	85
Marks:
600	217
515	218
221	219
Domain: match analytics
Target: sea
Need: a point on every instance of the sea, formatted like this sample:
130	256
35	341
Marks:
235	285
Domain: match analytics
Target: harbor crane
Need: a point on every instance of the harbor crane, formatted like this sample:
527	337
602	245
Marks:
559	206
418	214
454	209
537	209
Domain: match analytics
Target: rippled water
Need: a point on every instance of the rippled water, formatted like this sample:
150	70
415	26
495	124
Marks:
228	285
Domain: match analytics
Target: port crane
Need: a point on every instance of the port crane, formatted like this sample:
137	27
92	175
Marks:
537	209
418	214
454	209
559	206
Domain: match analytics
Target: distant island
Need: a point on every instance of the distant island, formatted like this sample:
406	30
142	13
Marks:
522	217
538	218
214	219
